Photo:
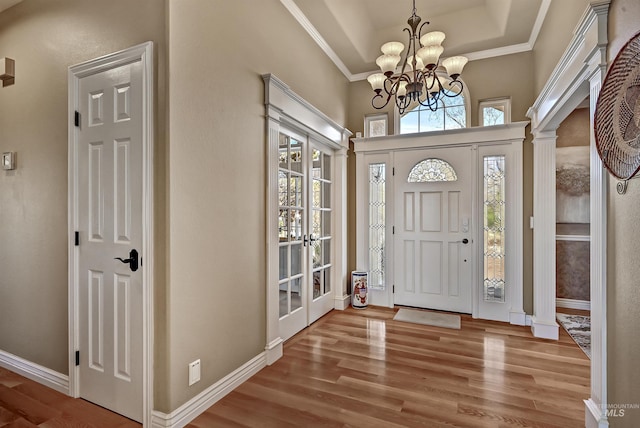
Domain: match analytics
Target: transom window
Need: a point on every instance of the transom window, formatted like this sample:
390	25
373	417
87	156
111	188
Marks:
432	170
451	114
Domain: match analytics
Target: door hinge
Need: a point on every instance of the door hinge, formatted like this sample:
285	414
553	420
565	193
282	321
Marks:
393	230
77	238
77	358
76	118
393	171
393	288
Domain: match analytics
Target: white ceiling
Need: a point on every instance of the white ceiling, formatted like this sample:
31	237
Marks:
352	31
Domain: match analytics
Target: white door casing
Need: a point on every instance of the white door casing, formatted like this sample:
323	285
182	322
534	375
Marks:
482	141
433	237
287	110
110	201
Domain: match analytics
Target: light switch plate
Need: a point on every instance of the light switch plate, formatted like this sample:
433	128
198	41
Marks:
8	160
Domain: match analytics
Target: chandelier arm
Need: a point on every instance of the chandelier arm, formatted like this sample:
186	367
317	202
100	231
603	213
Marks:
378	107
420	30
454	93
433	106
406	55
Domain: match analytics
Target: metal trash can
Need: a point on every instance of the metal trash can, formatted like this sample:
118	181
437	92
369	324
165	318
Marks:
359	289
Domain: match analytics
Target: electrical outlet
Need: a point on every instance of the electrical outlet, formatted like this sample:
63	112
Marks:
194	372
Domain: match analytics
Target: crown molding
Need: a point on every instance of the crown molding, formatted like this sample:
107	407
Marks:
472	56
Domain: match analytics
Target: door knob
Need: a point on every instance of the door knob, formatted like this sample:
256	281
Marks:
132	261
465	241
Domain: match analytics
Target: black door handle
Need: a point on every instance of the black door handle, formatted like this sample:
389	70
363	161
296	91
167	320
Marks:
465	241
132	261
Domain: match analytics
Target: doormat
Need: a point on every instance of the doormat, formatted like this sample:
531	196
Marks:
579	328
436	319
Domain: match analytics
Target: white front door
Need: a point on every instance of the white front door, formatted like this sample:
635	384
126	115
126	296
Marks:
109	155
433	245
304	231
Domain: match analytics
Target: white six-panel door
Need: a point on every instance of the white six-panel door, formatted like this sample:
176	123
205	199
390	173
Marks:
433	229
109	212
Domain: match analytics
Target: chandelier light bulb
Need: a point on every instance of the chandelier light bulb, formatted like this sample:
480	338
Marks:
377	82
388	63
434	38
454	65
430	55
392	48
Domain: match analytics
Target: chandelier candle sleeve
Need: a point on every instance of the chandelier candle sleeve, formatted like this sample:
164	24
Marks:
421	78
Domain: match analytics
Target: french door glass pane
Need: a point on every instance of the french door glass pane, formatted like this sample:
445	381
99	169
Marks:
296	156
284	298
317	193
296	259
296	293
326	167
317	254
283	225
283	188
317	284
295	188
327	280
296	225
284	262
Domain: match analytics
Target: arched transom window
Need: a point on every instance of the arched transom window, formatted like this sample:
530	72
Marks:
432	170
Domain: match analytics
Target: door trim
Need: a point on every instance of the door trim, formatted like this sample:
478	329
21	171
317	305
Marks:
283	107
142	53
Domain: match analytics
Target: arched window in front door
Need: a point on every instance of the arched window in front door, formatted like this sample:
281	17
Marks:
432	170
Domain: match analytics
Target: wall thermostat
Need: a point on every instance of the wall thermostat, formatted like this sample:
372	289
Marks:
9	160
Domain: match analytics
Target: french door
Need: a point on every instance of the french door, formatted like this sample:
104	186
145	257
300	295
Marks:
304	232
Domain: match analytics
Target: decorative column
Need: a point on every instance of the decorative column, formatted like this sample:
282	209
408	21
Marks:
340	227
596	415
273	347
543	322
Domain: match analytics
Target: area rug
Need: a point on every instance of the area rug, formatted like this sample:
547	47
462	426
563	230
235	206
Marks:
436	319
579	328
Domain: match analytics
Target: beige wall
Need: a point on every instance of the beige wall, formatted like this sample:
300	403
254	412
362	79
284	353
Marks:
219	49
574	130
554	38
623	291
45	37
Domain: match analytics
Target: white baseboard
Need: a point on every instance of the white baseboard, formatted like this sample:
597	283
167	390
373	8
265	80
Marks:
342	302
527	320
35	372
593	417
273	351
517	318
573	304
544	330
201	402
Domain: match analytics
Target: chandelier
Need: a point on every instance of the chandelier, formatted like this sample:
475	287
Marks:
418	80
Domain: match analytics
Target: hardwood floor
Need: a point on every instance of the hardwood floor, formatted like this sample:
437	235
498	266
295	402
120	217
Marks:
359	368
25	403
